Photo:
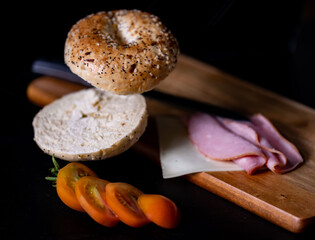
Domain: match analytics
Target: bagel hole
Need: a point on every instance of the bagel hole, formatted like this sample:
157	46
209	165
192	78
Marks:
114	32
124	36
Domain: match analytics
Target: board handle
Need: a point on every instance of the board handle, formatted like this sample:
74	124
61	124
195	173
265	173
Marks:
45	89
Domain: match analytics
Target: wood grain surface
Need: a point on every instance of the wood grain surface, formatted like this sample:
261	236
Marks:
287	200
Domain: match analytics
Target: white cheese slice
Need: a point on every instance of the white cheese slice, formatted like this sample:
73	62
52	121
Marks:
179	156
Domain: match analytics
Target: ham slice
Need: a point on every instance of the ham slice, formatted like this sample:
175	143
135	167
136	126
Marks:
216	141
268	132
250	164
253	145
248	131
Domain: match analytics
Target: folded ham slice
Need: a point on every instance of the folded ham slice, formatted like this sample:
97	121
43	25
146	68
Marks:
270	134
253	145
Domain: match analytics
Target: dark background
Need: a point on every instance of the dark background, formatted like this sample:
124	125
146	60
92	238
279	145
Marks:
268	43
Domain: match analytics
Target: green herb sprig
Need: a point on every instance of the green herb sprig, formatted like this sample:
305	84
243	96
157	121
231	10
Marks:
54	171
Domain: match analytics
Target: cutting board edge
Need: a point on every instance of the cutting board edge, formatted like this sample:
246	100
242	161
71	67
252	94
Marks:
257	206
203	66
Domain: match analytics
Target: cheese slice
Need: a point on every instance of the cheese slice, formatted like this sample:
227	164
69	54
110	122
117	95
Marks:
179	156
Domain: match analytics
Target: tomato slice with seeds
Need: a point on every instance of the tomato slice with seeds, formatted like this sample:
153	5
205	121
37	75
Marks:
66	179
122	199
90	192
160	210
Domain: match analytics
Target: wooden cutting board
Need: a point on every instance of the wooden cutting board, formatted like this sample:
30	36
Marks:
287	200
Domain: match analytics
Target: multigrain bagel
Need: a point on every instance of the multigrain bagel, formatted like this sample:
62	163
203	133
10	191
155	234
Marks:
122	51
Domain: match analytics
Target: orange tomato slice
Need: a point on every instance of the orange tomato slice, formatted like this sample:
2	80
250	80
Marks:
90	192
160	210
66	179
122	199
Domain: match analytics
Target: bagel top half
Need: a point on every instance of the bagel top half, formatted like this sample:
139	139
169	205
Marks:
123	51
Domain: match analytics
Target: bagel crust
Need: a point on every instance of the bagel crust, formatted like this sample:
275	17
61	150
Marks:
122	51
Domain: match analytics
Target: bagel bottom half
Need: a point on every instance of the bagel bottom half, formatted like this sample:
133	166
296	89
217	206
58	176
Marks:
90	125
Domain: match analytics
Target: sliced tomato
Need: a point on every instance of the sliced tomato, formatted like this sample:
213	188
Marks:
122	199
160	210
66	179
90	192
